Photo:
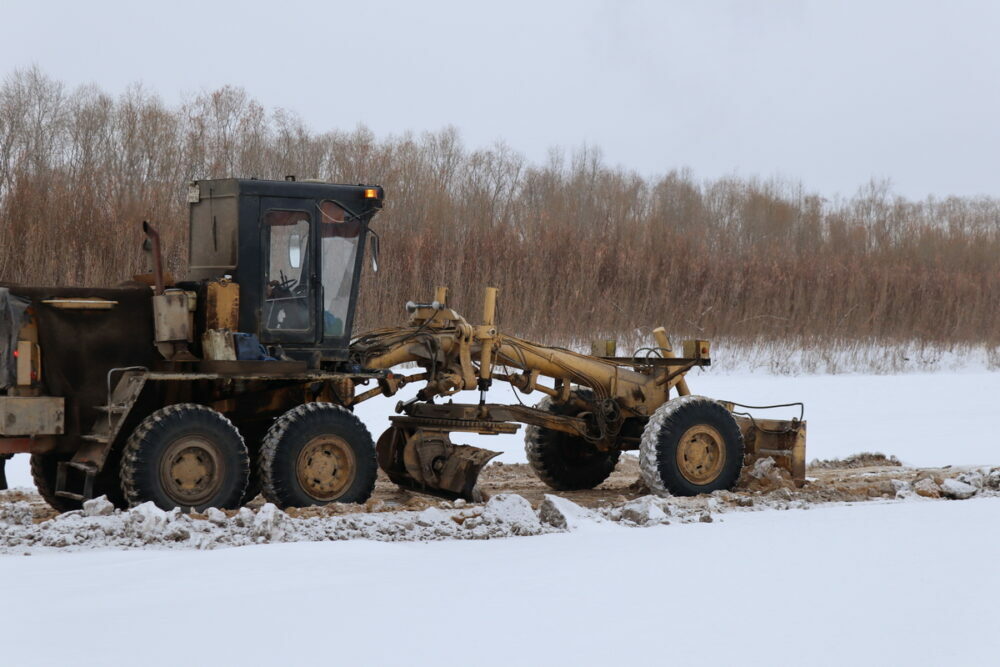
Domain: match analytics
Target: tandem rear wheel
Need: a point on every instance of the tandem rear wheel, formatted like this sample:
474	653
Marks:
185	455
44	468
316	454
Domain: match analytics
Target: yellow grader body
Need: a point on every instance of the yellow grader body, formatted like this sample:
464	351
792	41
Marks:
603	400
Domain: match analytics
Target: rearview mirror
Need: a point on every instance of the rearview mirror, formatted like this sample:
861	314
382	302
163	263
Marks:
295	251
375	244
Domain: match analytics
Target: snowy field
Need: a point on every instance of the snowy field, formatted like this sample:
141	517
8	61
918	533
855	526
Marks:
872	584
912	582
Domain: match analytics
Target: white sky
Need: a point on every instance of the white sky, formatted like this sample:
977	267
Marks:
831	93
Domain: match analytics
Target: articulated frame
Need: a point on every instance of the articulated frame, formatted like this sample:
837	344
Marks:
459	356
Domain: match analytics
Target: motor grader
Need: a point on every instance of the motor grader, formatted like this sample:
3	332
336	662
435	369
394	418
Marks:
242	376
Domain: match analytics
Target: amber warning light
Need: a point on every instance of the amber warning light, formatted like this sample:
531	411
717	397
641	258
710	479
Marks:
371	193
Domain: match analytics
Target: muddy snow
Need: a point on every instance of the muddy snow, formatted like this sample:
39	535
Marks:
518	505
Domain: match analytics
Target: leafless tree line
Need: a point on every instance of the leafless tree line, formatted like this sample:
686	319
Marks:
579	249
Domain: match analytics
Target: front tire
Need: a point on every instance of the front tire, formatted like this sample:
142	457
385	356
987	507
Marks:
185	455
691	445
316	454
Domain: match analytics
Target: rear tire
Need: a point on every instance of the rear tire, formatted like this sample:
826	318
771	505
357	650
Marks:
43	471
185	455
107	483
691	445
316	454
566	462
253	433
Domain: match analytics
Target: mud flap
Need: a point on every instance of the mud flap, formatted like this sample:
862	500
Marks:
782	440
426	461
3	471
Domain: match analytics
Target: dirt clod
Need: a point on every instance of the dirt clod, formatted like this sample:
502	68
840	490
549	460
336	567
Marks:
764	476
862	460
927	488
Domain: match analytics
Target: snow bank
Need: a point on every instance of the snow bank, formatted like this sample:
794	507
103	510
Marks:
147	525
100	526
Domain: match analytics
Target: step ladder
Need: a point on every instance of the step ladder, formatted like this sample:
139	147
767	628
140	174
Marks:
75	478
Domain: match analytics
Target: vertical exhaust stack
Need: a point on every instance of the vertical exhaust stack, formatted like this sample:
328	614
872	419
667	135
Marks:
154	246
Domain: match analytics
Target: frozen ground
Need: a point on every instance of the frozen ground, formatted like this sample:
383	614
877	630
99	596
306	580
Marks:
906	583
909	581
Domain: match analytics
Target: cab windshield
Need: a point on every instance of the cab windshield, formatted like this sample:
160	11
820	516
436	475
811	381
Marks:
339	240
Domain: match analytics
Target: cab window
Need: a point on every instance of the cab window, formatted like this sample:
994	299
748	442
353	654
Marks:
286	301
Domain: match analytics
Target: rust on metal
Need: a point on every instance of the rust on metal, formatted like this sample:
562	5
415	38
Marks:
170	317
218	345
222	305
31	415
701	454
86	303
782	440
154	240
191	471
425	460
326	467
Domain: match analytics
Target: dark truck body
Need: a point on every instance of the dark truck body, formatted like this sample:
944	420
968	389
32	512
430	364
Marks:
100	366
82	346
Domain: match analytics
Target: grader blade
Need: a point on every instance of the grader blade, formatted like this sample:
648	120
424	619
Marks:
426	461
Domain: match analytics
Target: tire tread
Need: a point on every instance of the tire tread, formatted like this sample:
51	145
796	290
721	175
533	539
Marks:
271	486
133	459
665	421
542	450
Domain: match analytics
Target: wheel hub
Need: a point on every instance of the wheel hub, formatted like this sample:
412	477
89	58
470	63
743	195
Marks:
191	471
701	454
325	467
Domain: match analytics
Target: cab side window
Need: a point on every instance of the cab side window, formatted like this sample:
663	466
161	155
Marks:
286	300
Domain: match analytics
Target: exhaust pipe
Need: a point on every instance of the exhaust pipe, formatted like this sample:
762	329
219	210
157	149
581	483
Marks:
154	241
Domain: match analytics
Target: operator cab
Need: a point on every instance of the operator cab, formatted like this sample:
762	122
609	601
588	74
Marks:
295	248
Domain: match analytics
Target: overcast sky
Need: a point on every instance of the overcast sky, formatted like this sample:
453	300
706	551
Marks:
831	93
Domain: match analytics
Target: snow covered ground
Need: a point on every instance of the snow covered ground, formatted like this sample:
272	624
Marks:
877	583
872	584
